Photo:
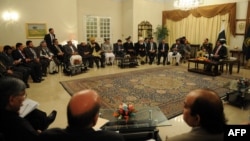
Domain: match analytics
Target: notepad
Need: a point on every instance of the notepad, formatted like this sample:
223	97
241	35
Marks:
100	123
28	106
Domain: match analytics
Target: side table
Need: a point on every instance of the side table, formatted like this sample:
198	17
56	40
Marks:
229	65
239	54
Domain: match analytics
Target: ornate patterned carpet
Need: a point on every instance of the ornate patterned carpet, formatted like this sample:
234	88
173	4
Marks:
162	87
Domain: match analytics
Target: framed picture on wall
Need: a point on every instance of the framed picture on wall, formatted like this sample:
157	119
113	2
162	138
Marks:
240	27
36	30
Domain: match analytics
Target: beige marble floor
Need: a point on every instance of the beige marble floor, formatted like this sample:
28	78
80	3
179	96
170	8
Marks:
51	95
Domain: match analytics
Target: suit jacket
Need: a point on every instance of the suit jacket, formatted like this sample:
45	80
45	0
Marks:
197	134
29	54
69	134
129	46
6	59
55	51
149	47
207	46
222	52
16	128
140	49
68	51
119	50
48	40
180	48
160	47
84	49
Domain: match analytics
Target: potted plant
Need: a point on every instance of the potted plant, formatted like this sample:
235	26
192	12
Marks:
161	32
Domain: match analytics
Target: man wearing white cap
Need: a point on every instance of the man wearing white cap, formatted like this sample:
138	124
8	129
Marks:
141	50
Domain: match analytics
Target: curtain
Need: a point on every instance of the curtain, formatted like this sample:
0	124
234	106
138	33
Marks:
200	13
197	29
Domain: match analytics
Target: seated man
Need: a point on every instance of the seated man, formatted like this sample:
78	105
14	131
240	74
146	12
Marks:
141	50
119	50
14	127
58	51
108	51
162	51
71	54
32	57
186	51
85	51
82	114
97	52
220	51
47	57
129	48
151	50
14	67
174	51
207	125
206	48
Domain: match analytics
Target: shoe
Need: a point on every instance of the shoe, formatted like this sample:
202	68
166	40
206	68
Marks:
51	117
41	79
37	81
55	71
177	64
168	63
27	85
44	75
51	73
158	63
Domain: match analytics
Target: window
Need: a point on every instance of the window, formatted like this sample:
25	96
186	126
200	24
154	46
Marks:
98	27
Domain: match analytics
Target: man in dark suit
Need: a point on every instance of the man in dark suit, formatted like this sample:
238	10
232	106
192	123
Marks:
220	51
58	50
13	126
15	66
82	114
18	54
85	51
129	47
162	51
49	38
151	50
119	50
70	51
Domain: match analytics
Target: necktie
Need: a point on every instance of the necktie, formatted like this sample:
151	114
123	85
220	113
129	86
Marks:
22	54
151	46
72	49
57	47
52	37
163	47
34	53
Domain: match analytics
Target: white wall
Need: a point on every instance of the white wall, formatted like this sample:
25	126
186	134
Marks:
103	8
127	19
55	13
147	10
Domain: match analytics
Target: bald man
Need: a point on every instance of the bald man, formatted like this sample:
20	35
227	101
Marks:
203	111
82	113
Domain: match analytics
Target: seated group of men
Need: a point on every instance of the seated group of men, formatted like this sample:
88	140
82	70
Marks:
22	62
146	50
